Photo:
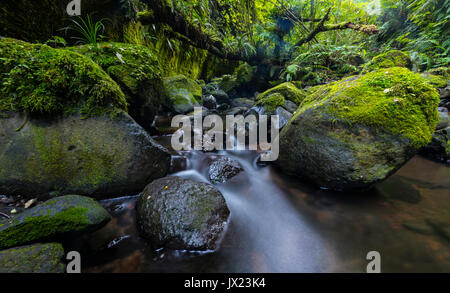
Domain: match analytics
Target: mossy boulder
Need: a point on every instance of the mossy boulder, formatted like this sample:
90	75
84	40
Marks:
99	156
36	258
439	147
356	132
223	168
183	93
179	213
53	218
38	21
393	58
286	90
136	70
244	73
40	80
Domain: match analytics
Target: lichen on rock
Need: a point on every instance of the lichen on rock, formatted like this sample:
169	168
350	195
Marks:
287	90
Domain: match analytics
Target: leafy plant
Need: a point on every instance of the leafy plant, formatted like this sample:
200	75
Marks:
89	32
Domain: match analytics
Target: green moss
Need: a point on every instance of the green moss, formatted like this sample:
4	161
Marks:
393	99
182	92
288	90
438	77
87	165
119	59
37	79
43	226
69	213
393	58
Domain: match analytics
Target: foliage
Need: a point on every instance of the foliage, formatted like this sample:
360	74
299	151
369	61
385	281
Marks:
89	32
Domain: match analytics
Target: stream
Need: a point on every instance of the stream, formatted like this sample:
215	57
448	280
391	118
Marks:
279	224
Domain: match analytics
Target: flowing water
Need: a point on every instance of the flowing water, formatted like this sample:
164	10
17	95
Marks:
279	224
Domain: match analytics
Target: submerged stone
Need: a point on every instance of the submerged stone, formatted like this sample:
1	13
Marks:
179	213
36	258
55	217
287	90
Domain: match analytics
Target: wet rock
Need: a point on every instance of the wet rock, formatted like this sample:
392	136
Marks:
444	93
223	168
389	59
221	96
36	258
439	147
178	213
442	227
443	120
98	156
339	141
184	94
290	106
55	217
242	102
209	102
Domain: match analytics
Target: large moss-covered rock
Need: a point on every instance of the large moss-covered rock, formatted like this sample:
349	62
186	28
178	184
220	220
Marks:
181	214
41	80
137	72
439	147
55	217
41	20
393	58
184	94
98	156
356	132
36	258
285	90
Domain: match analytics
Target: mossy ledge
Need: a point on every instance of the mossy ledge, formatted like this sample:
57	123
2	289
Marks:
392	99
39	80
393	58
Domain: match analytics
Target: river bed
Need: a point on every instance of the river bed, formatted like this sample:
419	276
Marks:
279	224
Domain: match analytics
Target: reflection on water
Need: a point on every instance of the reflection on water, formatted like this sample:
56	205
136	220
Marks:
281	225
